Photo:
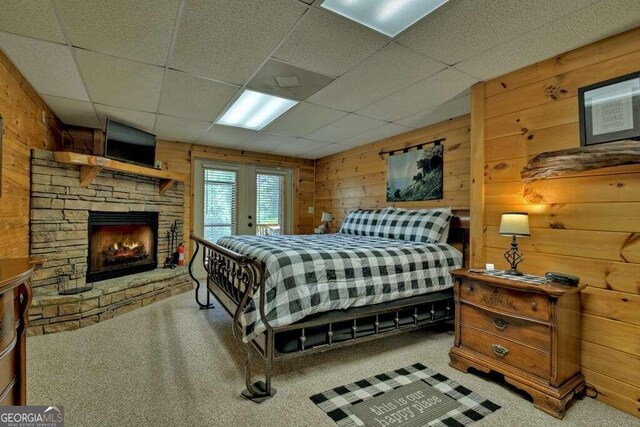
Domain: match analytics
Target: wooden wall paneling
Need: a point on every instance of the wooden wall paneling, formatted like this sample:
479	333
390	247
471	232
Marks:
584	224
28	123
357	178
597	52
477	172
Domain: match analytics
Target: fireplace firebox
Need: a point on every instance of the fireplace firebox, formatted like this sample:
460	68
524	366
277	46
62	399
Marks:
121	243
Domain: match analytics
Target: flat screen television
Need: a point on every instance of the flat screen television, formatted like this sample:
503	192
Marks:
128	144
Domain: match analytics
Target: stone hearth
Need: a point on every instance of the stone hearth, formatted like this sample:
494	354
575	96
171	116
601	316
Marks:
59	234
51	312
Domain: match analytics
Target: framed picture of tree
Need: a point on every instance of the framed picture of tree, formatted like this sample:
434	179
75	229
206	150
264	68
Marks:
415	175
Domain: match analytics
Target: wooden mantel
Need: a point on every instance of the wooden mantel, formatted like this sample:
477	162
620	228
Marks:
90	167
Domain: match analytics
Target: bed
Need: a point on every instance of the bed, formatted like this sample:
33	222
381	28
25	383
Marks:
294	295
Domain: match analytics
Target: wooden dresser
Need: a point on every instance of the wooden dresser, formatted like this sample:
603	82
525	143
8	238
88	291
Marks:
530	333
15	297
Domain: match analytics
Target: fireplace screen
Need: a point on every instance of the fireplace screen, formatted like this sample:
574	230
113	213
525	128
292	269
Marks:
121	243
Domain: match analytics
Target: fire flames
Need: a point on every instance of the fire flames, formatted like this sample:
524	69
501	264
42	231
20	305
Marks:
125	251
120	246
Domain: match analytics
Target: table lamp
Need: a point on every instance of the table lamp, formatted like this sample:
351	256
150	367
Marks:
514	224
326	219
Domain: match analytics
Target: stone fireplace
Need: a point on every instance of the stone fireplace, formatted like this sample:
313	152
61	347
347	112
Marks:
121	243
110	234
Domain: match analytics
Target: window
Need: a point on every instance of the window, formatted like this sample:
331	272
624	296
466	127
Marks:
220	203
270	204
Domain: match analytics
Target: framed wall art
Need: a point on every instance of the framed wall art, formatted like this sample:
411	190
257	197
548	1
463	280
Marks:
415	175
610	110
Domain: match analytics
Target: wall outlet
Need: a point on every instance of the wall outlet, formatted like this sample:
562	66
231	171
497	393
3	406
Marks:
311	210
490	267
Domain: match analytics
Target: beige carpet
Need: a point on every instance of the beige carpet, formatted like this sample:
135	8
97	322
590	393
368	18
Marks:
171	364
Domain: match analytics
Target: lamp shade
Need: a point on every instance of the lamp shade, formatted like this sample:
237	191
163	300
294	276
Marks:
326	217
515	224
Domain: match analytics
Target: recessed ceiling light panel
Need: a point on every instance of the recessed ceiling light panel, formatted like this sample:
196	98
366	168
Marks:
255	110
389	17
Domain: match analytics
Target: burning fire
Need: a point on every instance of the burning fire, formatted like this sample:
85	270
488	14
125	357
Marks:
121	246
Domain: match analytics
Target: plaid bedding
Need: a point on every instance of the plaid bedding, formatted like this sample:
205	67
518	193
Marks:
318	273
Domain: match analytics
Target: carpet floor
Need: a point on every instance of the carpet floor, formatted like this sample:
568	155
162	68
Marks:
171	364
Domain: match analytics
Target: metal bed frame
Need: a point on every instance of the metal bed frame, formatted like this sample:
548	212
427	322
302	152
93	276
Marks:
234	278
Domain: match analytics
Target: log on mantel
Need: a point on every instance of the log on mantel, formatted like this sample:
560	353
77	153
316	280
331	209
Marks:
565	162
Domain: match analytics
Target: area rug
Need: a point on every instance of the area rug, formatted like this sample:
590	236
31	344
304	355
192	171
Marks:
408	397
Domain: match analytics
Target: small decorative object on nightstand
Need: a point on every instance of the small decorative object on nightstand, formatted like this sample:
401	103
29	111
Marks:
326	219
523	328
514	224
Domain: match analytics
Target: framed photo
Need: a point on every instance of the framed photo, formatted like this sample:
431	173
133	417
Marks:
610	110
416	175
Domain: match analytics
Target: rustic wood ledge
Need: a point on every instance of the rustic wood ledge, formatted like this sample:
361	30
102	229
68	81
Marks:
90	167
575	160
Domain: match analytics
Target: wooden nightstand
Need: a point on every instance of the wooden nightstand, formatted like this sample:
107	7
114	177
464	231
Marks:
528	332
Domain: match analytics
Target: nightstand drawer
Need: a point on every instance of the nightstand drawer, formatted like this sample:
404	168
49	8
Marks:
519	356
506	300
522	331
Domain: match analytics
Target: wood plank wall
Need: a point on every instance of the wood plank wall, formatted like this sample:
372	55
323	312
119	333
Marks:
588	224
357	178
24	128
178	157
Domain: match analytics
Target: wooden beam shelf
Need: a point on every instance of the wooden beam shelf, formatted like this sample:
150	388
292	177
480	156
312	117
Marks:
90	167
575	160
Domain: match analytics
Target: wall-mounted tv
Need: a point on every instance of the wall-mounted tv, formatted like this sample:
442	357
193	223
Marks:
128	144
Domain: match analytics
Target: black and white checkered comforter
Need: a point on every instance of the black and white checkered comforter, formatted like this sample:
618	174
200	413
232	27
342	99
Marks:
317	273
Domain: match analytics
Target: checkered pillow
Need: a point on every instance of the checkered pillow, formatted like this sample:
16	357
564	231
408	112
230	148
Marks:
362	223
424	226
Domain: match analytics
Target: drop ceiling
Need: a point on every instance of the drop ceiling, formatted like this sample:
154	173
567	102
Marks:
173	67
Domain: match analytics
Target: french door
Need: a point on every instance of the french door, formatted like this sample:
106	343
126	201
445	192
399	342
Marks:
235	199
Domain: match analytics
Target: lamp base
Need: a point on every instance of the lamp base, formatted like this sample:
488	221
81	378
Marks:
514	272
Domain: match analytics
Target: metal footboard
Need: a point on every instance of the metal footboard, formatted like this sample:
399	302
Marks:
234	279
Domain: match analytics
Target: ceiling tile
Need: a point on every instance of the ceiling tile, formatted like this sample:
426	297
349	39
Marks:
347	127
49	67
265	143
72	112
228	40
226	136
133	29
612	17
326	43
327	151
423	95
385	131
308	81
472	26
455	108
119	82
303	119
301	148
184	95
138	119
31	18
179	129
390	69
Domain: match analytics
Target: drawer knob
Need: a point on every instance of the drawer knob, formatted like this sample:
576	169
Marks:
534	306
469	288
500	324
499	350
